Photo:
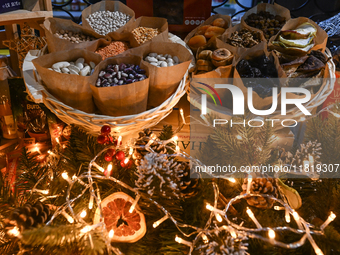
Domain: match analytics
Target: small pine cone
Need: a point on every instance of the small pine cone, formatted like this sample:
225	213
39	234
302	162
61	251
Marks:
29	216
143	139
188	185
310	152
159	175
261	186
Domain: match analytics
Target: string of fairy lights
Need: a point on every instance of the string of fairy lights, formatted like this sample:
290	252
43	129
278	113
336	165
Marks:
236	231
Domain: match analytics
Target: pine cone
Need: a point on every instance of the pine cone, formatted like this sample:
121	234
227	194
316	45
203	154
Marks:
159	175
29	215
261	186
189	186
222	243
143	139
310	151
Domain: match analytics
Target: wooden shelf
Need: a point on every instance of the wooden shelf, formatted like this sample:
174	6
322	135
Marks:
21	16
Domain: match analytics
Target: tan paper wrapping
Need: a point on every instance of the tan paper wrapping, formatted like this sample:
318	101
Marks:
209	21
109	6
73	90
54	43
153	22
163	80
124	99
320	38
274	9
227	34
256	51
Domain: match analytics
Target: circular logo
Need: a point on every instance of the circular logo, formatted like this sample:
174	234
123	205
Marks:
186	22
198	22
192	22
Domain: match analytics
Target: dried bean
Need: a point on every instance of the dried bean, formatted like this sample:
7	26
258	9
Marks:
112	49
144	34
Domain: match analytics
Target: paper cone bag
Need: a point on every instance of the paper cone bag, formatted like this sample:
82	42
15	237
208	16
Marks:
124	99
71	89
228	33
164	80
54	43
257	51
152	22
111	6
320	40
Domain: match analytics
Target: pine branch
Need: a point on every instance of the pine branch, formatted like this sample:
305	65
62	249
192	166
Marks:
67	238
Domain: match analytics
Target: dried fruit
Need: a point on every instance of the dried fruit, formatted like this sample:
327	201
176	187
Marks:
214	31
197	41
219	22
244	38
221	57
127	227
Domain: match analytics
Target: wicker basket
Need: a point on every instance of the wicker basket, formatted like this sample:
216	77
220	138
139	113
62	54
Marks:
93	122
294	113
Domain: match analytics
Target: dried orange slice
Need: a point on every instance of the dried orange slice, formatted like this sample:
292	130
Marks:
128	227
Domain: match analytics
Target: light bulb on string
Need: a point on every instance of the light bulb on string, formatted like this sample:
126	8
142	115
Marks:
134	204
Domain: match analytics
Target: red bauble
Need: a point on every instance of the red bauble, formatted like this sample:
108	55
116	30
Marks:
105	130
120	155
108	158
102	139
111	152
126	165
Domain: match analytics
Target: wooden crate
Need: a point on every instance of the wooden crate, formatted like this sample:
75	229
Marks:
34	18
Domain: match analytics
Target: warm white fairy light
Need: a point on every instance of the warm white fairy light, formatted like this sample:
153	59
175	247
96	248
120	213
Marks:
130	151
51	153
318	251
45	191
252	216
218	217
83	214
330	218
86	229
278	208
134	203
297	219
180	240
287	216
177	149
109	169
181	112
14	232
119	140
67	216
57	139
126	160
232	180
111	233
160	221
91	202
271	233
98	167
65	176
36	148
250	179
205	238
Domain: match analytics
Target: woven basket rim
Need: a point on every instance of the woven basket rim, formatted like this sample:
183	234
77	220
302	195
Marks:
92	121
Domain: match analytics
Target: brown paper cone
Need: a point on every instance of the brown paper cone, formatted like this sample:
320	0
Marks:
320	38
227	34
256	51
109	6
73	90
152	22
120	100
163	80
54	43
